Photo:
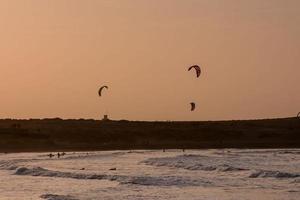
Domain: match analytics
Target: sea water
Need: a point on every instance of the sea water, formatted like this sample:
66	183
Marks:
172	174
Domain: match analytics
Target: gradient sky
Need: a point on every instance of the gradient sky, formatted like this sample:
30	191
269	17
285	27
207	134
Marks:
55	54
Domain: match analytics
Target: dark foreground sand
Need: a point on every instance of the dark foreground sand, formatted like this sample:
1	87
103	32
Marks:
85	135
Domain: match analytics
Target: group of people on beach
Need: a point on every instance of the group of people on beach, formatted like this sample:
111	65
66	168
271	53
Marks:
58	155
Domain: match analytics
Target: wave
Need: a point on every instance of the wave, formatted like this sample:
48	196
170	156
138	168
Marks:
167	181
9	164
39	171
57	197
193	162
273	174
139	180
14	164
296	152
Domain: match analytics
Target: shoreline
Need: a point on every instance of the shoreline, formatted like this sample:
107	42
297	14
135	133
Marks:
166	150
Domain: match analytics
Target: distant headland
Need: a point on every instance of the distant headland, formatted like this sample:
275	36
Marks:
41	135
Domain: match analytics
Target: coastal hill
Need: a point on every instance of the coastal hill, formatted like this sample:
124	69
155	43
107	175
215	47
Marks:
80	135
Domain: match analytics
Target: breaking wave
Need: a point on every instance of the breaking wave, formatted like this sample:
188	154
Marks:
9	164
39	171
193	162
273	174
139	180
57	197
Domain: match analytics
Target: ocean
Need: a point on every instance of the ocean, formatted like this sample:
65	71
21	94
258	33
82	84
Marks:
227	174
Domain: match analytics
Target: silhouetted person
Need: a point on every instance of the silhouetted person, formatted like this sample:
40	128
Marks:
50	155
58	155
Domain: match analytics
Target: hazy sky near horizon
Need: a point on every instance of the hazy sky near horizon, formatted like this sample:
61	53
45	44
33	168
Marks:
55	54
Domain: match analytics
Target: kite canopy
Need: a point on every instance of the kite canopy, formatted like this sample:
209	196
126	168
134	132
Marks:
298	115
197	69
100	90
193	106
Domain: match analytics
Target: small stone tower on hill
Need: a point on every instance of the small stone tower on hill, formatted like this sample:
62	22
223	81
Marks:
105	118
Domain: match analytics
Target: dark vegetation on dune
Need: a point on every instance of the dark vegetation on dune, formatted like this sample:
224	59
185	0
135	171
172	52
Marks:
57	134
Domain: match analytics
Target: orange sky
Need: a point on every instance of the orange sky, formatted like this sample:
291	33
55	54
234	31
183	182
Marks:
54	54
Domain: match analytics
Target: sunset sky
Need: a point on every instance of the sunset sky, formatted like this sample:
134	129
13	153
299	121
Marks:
55	54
